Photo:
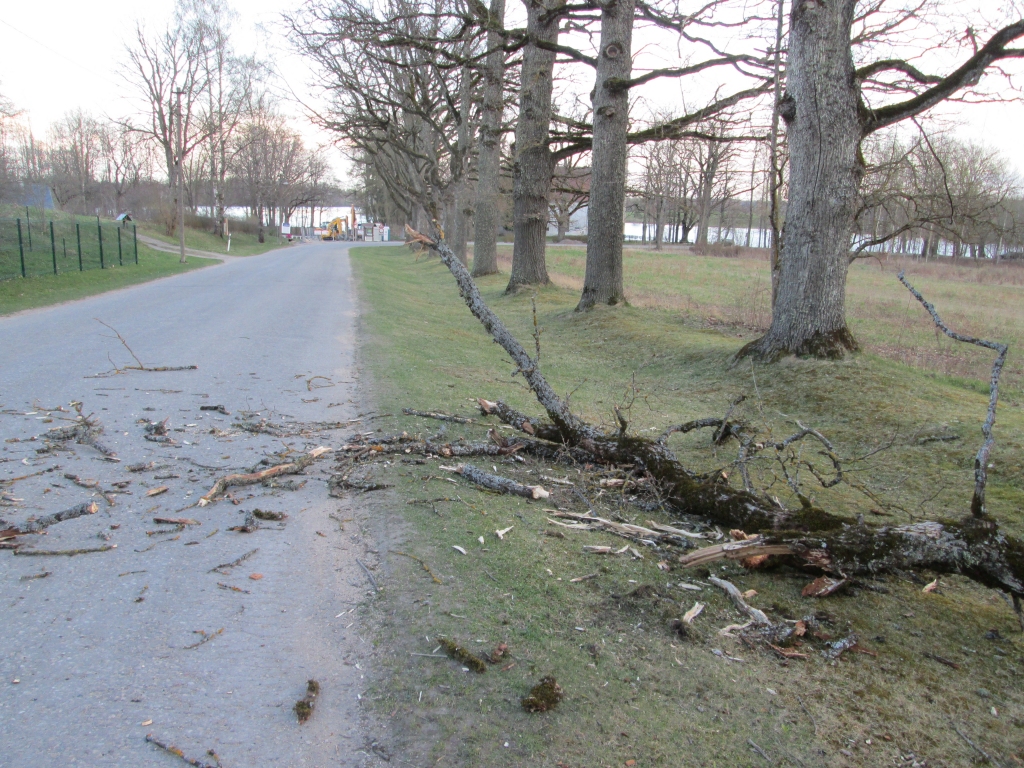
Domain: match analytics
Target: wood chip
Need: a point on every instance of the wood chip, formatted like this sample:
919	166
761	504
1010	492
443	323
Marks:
822	587
157	491
693	613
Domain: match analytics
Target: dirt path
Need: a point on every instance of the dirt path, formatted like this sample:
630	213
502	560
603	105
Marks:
106	647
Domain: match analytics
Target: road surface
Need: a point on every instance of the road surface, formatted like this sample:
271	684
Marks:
106	648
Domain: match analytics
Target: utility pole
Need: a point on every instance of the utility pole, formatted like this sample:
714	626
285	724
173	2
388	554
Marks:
181	180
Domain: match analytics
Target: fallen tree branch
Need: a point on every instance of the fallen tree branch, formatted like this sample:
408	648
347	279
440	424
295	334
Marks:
438	416
291	468
173	750
734	550
498	483
981	460
974	547
34	526
68	552
84	431
139	366
630	531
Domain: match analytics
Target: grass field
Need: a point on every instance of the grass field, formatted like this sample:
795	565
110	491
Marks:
28	293
634	690
981	300
241	244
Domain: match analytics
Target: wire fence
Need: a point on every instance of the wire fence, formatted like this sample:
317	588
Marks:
31	246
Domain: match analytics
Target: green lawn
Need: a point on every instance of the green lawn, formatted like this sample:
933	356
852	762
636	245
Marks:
634	690
713	291
27	293
201	240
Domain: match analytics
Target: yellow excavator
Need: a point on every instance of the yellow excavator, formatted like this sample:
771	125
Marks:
335	229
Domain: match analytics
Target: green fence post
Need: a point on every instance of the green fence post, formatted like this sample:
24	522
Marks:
78	238
28	221
135	238
53	247
99	235
120	261
21	249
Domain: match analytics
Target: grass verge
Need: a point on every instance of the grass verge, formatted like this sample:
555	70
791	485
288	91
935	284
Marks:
31	292
242	244
636	693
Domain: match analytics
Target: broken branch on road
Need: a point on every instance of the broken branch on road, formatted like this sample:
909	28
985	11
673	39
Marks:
290	468
139	365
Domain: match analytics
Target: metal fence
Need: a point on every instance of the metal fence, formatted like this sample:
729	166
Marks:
31	247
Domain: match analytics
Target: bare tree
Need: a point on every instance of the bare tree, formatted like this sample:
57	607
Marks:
829	108
169	72
485	240
534	162
570	192
75	147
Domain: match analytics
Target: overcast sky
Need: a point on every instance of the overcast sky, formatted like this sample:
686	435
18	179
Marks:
65	55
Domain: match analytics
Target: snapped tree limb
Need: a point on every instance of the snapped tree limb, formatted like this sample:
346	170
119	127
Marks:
974	546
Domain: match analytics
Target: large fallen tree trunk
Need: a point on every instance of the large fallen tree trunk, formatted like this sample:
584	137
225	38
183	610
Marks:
974	546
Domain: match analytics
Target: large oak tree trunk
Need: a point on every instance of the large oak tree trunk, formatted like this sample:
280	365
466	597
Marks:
534	164
485	237
824	132
602	283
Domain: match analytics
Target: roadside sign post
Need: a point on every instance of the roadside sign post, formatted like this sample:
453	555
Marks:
53	247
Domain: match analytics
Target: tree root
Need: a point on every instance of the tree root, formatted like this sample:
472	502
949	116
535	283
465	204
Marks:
973	547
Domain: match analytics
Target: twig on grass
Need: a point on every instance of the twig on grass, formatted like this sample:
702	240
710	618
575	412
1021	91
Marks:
439	416
420	561
368	575
974	746
730	589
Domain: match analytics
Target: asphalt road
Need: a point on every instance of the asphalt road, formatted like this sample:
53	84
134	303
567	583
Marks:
95	655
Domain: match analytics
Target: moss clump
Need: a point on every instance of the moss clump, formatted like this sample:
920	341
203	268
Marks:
304	706
463	656
265	515
544	696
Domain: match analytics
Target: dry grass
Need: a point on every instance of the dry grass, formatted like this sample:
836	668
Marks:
711	291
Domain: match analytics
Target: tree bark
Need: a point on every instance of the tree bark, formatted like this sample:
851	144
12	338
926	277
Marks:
824	131
534	163
462	204
602	282
485	236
